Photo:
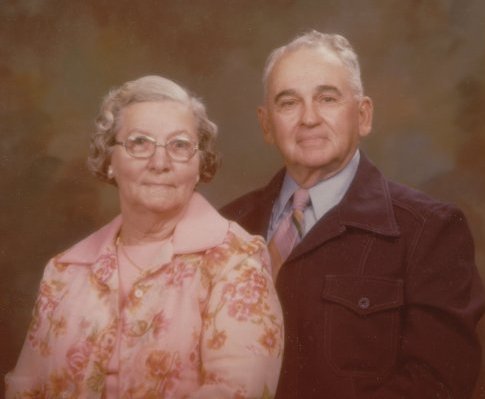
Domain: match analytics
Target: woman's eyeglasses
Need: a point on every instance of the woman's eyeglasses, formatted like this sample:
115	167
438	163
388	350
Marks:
180	149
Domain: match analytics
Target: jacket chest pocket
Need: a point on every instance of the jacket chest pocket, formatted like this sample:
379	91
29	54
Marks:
362	323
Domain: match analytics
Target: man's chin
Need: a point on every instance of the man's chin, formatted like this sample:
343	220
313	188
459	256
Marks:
315	159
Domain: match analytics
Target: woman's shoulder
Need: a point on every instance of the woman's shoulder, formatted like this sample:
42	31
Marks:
239	253
244	240
88	249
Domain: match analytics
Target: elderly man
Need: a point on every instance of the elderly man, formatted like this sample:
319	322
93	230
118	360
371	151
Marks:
377	281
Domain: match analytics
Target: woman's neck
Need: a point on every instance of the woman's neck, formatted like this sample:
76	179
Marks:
145	226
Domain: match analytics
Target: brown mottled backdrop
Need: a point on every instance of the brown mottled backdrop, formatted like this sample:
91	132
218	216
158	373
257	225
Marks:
423	63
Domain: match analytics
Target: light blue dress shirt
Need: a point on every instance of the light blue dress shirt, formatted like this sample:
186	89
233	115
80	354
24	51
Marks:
323	196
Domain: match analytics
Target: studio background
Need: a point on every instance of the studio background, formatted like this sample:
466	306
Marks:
423	63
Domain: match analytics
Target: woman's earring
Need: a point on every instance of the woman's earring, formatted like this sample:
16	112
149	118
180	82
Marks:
110	172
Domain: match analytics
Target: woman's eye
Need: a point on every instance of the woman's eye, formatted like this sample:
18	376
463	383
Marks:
139	140
180	143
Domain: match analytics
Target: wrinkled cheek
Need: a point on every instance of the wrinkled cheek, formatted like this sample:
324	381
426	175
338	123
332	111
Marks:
126	191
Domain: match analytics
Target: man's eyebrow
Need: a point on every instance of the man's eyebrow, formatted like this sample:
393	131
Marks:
319	89
328	89
283	93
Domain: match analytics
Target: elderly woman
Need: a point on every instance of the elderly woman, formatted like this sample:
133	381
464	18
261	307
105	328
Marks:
169	300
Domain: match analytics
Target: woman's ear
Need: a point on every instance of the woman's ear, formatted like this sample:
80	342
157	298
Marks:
110	172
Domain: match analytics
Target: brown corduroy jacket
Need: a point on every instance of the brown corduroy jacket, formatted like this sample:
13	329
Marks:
381	297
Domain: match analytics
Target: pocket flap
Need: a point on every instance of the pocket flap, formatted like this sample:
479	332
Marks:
364	294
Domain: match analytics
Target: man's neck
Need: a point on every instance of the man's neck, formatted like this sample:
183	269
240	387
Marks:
308	177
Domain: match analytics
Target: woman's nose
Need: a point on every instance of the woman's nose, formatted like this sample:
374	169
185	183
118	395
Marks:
160	159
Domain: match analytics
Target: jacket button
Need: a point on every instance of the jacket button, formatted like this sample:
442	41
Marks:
364	303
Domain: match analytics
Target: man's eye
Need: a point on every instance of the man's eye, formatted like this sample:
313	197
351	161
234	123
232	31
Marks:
328	99
287	103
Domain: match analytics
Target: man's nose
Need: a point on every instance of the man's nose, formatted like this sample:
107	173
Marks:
310	115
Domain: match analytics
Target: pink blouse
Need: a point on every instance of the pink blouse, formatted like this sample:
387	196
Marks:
206	323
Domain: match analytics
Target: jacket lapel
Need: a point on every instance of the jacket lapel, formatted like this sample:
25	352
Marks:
254	211
268	198
366	205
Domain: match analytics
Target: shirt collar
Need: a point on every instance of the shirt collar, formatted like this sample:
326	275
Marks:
324	195
328	193
288	188
200	228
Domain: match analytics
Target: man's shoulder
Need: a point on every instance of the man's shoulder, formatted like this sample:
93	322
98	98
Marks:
418	204
255	203
372	196
243	205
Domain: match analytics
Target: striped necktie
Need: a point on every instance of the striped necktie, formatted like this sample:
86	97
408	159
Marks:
289	232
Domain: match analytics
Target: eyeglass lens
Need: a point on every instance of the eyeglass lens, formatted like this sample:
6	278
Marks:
178	148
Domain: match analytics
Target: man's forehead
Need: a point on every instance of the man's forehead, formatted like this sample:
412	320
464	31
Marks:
305	68
303	55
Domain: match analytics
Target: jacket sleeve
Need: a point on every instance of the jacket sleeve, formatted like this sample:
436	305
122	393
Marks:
444	299
242	336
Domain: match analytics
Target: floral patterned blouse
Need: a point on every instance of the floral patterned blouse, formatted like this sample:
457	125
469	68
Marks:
204	324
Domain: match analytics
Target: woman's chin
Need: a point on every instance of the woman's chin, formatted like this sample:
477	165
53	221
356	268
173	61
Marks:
160	205
158	200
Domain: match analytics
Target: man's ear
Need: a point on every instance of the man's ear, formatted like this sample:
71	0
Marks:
366	112
265	124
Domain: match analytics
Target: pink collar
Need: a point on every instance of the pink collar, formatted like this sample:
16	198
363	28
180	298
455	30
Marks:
201	228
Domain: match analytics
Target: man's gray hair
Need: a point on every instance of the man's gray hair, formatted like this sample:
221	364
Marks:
334	43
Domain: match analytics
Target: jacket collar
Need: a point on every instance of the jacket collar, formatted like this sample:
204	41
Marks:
367	205
253	210
200	228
